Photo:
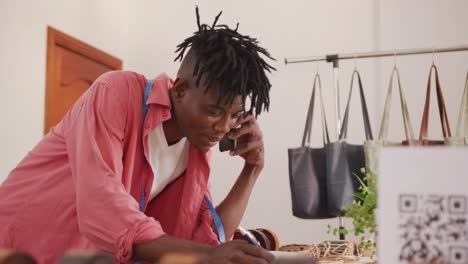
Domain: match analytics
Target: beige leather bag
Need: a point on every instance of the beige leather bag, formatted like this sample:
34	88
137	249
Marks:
372	147
461	139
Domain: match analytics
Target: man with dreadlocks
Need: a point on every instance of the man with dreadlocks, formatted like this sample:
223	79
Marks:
126	170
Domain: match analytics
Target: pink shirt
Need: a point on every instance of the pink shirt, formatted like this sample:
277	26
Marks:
80	187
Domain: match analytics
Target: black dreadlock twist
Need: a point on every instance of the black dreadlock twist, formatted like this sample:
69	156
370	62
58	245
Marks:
231	59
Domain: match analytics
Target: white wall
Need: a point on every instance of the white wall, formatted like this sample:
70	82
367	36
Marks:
23	31
424	24
145	35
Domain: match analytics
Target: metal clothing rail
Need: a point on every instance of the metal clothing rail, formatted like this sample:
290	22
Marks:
375	54
334	58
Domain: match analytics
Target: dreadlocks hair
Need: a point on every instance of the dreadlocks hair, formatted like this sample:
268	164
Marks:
232	60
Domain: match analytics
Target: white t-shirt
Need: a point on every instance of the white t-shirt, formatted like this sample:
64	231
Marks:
167	162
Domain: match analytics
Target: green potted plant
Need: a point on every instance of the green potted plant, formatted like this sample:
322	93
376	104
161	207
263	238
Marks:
362	213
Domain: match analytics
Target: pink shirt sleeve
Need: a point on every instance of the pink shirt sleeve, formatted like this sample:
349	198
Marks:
107	214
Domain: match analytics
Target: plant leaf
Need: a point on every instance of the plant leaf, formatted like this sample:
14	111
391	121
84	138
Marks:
360	196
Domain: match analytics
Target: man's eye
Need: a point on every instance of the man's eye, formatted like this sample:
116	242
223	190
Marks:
214	112
237	116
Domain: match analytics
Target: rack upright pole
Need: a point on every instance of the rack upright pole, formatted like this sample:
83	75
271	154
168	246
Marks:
336	81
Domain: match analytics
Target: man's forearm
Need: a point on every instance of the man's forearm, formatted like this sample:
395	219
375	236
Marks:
155	249
232	208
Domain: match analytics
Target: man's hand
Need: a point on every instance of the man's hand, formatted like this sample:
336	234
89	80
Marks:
173	250
238	251
249	141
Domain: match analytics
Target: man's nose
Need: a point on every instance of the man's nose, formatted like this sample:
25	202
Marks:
224	125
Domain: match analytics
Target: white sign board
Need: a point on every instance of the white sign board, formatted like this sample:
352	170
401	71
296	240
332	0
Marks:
423	205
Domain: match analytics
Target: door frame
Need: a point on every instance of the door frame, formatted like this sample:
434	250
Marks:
58	38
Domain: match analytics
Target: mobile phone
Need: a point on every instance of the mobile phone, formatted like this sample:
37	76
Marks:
226	143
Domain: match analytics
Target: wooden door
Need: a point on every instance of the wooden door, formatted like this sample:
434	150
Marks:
72	66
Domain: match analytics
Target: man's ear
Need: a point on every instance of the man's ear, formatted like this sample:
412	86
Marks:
180	88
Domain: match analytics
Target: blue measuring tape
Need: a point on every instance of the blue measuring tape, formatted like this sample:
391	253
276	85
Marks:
214	215
217	221
149	86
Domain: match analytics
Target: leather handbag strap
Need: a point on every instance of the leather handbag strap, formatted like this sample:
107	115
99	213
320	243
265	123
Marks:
463	113
365	113
441	103
409	134
310	114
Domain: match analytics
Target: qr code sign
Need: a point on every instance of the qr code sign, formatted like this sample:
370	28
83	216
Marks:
433	228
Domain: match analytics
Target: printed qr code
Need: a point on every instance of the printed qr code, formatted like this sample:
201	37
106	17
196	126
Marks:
433	228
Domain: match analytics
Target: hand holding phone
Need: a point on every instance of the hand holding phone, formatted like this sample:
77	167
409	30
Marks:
226	144
245	141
